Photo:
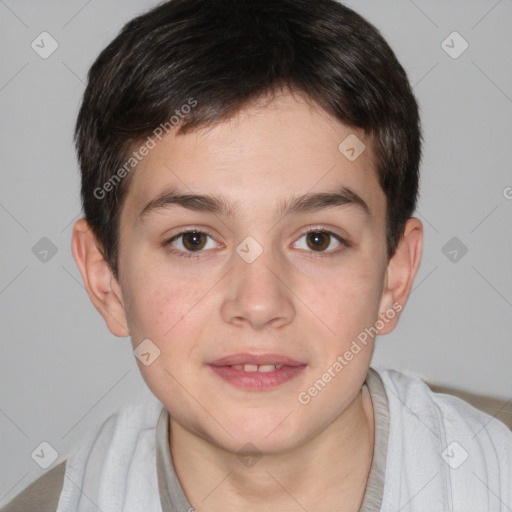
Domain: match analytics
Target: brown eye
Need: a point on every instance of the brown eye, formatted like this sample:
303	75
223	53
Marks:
190	243
322	242
194	241
318	240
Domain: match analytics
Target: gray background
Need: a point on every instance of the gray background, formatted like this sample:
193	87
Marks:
62	372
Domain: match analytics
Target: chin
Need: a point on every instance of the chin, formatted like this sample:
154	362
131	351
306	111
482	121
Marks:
257	445
269	436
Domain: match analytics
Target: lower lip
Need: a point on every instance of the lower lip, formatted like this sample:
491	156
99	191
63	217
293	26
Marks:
257	381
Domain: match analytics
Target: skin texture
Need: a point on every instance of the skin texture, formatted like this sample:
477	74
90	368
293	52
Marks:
293	300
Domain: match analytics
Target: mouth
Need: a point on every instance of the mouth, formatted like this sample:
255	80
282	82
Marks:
251	360
257	372
262	368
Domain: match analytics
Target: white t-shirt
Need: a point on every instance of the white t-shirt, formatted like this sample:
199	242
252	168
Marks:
433	452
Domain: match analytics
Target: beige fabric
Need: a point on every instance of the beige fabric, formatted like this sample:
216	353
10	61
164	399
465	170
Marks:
499	409
41	495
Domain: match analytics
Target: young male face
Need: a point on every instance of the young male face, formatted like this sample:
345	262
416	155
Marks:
228	298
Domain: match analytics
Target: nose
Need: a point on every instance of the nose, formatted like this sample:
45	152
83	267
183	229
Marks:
257	293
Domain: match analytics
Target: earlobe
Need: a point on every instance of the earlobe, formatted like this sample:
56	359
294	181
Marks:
400	274
98	279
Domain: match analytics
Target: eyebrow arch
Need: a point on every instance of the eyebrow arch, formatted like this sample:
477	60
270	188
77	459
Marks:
220	205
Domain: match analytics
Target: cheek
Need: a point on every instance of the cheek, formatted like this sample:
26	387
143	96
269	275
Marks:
165	307
346	301
167	313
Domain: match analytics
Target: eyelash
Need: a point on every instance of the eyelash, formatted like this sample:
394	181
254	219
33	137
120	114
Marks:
319	229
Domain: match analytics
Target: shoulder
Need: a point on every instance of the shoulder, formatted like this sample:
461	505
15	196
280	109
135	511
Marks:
470	411
448	417
465	453
42	494
454	406
109	440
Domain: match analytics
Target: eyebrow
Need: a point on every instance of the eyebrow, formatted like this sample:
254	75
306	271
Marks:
220	205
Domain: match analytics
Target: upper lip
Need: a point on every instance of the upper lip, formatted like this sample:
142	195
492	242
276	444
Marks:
258	359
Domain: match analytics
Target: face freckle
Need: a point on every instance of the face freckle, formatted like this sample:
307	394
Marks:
301	304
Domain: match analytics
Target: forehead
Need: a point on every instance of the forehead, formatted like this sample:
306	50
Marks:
267	154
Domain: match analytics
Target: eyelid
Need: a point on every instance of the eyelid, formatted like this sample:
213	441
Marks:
187	254
312	229
344	243
184	231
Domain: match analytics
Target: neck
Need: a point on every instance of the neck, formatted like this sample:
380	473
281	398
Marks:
329	472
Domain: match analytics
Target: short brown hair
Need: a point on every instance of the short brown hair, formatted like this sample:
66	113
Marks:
224	54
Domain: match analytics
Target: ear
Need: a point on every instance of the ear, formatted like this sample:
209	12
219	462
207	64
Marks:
100	283
400	274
